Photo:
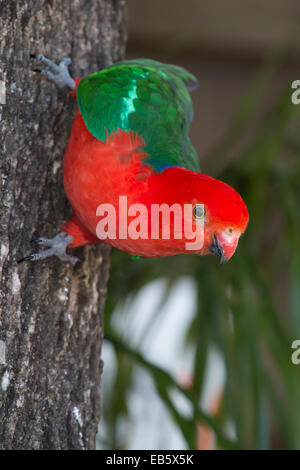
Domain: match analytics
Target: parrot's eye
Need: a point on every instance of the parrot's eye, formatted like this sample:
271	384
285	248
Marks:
229	230
199	211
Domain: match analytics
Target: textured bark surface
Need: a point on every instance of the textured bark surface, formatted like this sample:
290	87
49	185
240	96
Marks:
51	313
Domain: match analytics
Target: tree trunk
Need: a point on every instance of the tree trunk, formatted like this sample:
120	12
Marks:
51	313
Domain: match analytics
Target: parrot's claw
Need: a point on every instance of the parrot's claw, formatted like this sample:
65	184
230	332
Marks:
59	74
57	246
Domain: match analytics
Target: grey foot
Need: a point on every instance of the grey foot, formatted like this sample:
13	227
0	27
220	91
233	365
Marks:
57	246
59	74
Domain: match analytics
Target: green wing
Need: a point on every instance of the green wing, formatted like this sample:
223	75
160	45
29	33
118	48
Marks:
149	98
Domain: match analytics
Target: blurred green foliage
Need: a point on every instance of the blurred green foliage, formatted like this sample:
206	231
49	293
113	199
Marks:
249	308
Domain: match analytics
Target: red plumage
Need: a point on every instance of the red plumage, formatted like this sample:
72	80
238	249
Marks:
97	172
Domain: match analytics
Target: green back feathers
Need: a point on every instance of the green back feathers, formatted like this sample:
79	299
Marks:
149	98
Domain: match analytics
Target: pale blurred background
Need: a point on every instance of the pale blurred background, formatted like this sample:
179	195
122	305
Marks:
222	43
222	335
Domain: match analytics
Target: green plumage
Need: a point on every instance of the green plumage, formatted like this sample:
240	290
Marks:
149	98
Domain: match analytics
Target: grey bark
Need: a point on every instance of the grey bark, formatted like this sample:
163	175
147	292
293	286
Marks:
50	312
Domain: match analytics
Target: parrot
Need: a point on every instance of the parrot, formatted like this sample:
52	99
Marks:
130	140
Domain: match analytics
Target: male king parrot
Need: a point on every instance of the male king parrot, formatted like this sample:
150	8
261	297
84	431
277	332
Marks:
130	138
